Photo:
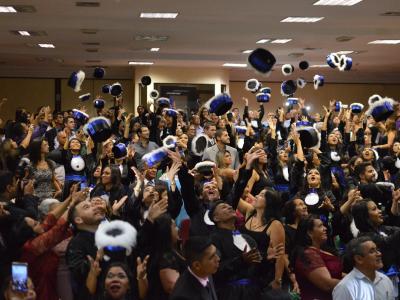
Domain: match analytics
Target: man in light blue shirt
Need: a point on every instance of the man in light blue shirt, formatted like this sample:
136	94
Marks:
364	282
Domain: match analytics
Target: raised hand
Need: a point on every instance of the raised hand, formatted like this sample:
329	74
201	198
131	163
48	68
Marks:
138	174
157	209
141	267
118	204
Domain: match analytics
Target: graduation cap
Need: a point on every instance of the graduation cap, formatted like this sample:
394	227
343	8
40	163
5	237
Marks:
356	108
308	134
163	102
380	108
84	97
333	60
119	150
253	85
154	94
319	81
303	65
241	129
76	79
199	144
170	112
99	72
116	89
345	63
287	69
170	141
219	104
205	167
117	239
105	89
339	105
261	60
288	88
80	117
263	97
301	82
292	101
98	103
145	80
155	157
99	129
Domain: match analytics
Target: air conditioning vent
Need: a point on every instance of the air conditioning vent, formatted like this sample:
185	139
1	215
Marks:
391	14
87	4
151	38
89	31
295	54
93	61
92	50
311	49
344	38
24	8
91	44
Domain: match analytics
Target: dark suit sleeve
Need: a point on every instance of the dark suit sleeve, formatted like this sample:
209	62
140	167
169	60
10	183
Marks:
174	203
237	191
192	204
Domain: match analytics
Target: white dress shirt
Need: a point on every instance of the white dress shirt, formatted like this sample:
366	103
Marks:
357	286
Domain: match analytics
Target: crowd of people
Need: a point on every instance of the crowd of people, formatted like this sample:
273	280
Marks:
213	206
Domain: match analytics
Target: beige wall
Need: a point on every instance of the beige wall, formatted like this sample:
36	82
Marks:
28	93
31	93
69	99
347	93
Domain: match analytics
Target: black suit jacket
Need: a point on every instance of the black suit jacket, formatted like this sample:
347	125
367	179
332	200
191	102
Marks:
189	288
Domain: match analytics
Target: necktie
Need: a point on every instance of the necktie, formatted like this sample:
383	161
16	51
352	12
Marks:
209	291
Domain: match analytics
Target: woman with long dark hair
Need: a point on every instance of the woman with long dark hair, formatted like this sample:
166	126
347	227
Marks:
318	270
264	226
110	186
368	219
166	260
42	170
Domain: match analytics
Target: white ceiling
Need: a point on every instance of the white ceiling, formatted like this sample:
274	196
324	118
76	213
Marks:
205	34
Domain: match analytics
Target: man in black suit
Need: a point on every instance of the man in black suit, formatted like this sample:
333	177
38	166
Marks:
196	282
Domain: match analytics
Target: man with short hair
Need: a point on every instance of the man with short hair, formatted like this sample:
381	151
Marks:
222	142
85	218
364	282
210	130
196	282
143	146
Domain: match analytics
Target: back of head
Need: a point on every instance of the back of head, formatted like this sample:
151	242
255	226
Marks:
360	214
6	178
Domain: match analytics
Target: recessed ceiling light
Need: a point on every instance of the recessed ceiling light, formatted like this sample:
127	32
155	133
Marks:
281	41
46	46
385	42
319	66
141	63
247	51
337	2
24	33
154	49
301	20
262	41
344	52
158	15
7	9
234	65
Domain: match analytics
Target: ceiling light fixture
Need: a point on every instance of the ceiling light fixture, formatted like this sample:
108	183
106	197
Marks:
385	42
46	46
281	41
7	9
24	33
158	15
344	52
154	49
319	66
247	51
301	19
234	65
262	41
140	63
337	2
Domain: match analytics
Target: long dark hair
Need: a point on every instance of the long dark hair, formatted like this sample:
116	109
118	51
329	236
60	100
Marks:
273	206
289	211
304	241
115	175
361	216
35	151
162	236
